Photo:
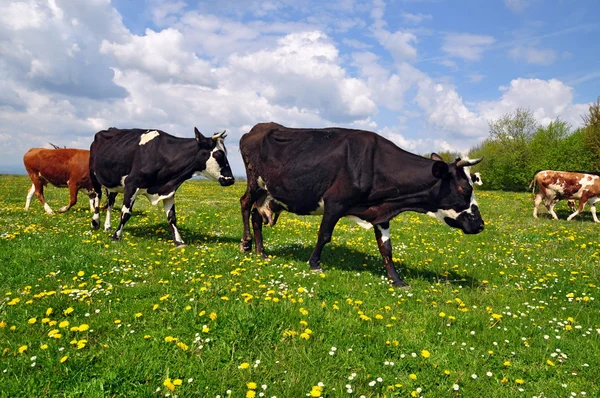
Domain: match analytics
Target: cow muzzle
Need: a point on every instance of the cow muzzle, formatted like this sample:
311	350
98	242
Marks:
226	181
469	221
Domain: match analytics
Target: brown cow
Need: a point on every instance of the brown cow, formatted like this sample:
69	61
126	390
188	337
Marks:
61	168
556	185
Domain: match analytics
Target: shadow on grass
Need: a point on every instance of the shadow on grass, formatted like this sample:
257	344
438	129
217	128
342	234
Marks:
189	236
353	260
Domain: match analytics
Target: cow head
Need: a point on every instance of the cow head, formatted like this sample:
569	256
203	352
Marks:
454	197
216	167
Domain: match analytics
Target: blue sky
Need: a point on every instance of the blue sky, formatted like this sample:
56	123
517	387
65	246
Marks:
428	75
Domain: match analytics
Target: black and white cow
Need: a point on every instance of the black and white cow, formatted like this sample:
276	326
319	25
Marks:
152	163
348	173
476	178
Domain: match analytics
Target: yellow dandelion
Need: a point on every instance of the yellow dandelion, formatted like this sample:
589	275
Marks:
68	311
31	321
64	359
425	354
412	376
549	362
213	316
83	327
49	311
251	385
138	315
244	365
63	324
250	394
22	349
167	383
44	346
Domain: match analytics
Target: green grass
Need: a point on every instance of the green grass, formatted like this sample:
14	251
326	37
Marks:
512	311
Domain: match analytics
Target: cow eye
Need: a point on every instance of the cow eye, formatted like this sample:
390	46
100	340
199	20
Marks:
218	155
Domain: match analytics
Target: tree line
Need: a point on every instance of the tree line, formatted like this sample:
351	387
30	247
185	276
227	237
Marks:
518	146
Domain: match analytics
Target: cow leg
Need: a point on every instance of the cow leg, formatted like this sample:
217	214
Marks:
579	210
257	224
73	189
246	203
98	191
169	206
592	203
39	193
330	219
551	209
29	196
536	204
91	195
110	202
128	201
382	234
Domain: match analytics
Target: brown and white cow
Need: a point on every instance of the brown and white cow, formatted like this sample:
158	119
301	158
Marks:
61	167
556	185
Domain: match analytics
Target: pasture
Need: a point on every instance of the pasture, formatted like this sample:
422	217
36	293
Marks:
510	312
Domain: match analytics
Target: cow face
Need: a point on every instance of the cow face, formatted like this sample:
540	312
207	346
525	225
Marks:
217	166
456	204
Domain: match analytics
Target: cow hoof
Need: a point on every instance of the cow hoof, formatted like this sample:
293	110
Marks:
180	245
107	229
246	246
95	224
115	238
50	213
401	285
63	209
317	270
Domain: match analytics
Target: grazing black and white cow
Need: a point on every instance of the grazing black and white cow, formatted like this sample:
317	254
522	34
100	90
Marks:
155	164
358	174
476	178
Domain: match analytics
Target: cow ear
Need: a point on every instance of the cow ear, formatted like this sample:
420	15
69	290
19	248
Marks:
199	135
435	156
439	169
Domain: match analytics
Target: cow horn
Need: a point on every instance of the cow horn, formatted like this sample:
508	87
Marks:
217	136
468	162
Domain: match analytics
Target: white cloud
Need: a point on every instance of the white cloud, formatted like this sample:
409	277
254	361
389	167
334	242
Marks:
400	44
547	99
466	46
415	18
533	55
162	55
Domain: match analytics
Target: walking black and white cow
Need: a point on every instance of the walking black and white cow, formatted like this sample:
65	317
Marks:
358	174
155	164
556	185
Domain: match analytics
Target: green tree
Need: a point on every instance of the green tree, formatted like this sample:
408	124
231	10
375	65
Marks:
591	133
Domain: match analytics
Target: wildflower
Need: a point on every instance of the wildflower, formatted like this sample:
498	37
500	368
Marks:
212	316
81	344
44	346
63	359
63	324
68	311
244	365
506	363
425	354
83	327
442	314
49	311
305	336
183	346
303	311
163	298
549	362
520	381
167	383
138	315
412	376
250	394
170	339
154	307
31	321
177	382
22	349
205	329
147	336
251	385
316	391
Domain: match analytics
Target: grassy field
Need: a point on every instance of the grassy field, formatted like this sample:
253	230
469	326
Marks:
510	312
